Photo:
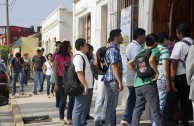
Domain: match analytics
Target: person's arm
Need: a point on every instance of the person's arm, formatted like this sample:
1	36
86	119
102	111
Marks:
44	68
117	76
173	69
55	69
82	79
165	67
21	62
131	66
10	68
152	61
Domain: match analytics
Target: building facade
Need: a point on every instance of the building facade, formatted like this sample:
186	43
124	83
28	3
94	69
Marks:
15	33
56	27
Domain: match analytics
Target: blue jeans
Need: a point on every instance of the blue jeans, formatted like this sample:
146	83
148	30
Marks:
38	75
70	107
14	79
26	76
48	85
111	102
147	93
79	112
161	84
63	97
130	104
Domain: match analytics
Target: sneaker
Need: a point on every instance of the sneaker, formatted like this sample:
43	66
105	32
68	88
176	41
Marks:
97	123
38	93
69	122
21	93
13	94
89	117
34	93
48	96
124	123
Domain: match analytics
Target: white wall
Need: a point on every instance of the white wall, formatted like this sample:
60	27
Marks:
57	25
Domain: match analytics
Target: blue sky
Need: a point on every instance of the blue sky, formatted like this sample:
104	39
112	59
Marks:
30	12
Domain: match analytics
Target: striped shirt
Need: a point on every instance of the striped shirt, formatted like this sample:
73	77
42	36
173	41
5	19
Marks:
113	56
164	55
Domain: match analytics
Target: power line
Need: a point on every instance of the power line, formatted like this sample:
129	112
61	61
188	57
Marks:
23	18
12	4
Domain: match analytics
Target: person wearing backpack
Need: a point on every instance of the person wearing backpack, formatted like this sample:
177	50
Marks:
62	57
178	69
82	67
99	109
132	49
163	83
144	66
113	77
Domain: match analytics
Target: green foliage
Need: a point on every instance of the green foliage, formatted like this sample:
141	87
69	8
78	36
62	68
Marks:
4	53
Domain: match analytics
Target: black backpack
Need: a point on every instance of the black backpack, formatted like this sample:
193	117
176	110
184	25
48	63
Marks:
72	85
142	64
102	64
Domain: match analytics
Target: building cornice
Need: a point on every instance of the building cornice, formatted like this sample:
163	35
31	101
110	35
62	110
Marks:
75	1
99	1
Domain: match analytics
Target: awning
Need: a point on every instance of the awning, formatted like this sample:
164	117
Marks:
18	43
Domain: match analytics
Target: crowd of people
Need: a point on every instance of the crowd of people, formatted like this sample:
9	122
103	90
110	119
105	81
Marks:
166	59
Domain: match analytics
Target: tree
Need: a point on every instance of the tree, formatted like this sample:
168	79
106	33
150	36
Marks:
4	53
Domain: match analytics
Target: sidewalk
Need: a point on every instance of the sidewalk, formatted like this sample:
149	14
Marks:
38	105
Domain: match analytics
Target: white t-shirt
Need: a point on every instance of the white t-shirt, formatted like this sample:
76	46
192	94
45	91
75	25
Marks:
179	52
78	63
49	68
132	49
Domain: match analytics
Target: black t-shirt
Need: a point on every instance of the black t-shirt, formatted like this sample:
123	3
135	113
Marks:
38	62
16	67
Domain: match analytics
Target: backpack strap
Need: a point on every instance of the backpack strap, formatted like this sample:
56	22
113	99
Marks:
189	44
84	62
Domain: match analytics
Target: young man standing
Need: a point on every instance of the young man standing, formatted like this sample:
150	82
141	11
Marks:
113	77
178	69
132	49
81	101
36	67
146	88
99	109
16	65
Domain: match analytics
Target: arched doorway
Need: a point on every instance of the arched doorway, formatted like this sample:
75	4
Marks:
167	14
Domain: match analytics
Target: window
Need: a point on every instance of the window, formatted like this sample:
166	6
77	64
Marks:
85	27
115	12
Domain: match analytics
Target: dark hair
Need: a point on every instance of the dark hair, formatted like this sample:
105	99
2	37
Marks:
151	39
57	43
42	49
162	36
138	32
90	47
49	55
185	29
109	40
18	55
79	42
173	37
63	49
114	33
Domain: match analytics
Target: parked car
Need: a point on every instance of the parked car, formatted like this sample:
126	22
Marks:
4	85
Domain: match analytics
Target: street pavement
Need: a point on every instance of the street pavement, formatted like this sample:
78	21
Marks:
6	118
38	105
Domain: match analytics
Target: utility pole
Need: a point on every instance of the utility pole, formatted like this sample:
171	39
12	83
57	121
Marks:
7	29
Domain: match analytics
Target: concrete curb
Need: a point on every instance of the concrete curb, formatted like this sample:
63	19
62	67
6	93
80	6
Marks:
18	121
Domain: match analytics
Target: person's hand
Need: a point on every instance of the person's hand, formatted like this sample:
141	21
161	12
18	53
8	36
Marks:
10	74
18	60
173	86
85	90
120	87
56	87
155	77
